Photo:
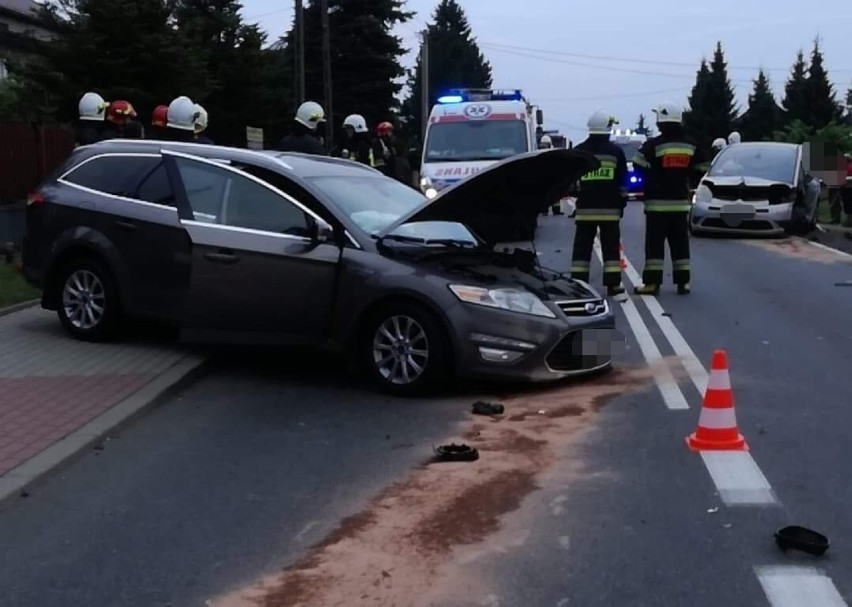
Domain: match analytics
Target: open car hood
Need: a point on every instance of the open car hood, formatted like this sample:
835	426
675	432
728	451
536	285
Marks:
502	203
744	179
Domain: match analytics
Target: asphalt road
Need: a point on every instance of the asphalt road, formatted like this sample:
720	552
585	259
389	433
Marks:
242	472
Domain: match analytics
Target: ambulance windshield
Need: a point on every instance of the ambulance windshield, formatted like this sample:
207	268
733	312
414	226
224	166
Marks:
475	140
629	148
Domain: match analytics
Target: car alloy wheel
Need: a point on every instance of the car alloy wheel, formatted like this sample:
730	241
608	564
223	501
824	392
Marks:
84	300
400	350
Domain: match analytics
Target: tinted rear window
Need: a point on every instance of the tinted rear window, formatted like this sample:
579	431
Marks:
117	175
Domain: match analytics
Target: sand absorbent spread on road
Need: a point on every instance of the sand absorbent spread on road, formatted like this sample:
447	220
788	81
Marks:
405	548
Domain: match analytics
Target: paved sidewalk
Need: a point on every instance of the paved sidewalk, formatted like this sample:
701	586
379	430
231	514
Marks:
58	395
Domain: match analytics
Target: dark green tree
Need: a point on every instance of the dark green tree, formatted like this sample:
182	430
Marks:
235	63
365	56
721	99
123	49
847	117
455	60
796	102
696	121
763	116
823	107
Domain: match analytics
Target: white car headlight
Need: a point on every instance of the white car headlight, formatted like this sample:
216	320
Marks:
703	195
431	192
512	300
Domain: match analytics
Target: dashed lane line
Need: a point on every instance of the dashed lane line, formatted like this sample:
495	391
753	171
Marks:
790	586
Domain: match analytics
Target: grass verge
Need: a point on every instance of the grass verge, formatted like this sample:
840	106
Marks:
13	288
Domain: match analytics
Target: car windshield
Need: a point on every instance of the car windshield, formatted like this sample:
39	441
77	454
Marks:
774	163
441	233
372	202
475	140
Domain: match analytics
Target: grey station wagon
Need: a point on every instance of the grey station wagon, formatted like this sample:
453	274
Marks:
282	248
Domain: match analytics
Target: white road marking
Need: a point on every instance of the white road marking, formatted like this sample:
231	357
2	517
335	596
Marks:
690	361
738	478
672	395
828	249
787	586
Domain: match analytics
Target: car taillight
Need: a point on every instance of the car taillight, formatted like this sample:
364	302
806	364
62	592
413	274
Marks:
35	199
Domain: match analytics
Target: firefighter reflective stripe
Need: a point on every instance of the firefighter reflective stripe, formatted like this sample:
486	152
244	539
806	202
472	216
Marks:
675	147
579	266
606	172
667	206
640	160
375	163
680	264
612	266
653	265
597	214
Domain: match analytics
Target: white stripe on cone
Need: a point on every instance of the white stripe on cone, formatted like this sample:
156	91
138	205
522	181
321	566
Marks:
717	419
719	380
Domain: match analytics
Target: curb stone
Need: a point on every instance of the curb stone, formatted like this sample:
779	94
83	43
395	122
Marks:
18	307
64	451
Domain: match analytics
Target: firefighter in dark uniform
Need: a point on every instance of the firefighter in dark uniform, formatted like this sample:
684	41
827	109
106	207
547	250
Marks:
601	198
302	137
92	121
669	164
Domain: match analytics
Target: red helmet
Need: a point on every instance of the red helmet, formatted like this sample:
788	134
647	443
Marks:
160	116
384	128
120	111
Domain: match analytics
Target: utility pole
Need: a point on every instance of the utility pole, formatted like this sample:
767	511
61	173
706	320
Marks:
326	76
424	85
299	48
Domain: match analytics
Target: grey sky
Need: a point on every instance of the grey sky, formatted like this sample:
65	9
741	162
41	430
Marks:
569	84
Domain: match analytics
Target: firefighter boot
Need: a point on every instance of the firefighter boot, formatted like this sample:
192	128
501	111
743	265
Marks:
647	290
684	289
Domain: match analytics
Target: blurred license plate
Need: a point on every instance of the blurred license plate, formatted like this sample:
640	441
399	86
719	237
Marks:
734	214
599	344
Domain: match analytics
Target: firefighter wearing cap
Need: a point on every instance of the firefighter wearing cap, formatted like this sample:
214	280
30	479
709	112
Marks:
303	131
669	164
92	119
601	199
159	122
118	114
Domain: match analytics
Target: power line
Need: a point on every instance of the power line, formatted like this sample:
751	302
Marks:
633	60
618	96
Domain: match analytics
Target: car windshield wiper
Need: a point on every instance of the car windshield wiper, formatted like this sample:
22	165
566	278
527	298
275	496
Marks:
447	242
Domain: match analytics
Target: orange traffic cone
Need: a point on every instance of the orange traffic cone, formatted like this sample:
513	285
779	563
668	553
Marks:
717	426
621	255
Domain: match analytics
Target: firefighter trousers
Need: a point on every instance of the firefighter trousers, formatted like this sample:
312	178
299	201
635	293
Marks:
662	227
584	240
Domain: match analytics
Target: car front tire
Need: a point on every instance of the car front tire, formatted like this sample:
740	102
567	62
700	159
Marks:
405	350
88	300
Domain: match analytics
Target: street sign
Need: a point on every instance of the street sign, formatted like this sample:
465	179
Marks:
254	138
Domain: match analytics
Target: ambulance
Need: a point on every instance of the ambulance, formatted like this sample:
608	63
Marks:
471	129
630	142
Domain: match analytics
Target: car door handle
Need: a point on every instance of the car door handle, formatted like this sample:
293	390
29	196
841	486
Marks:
126	225
221	257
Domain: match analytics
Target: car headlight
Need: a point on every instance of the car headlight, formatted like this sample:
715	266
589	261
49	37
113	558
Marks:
431	192
512	300
702	195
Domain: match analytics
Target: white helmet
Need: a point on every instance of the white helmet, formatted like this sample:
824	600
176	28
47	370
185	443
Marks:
92	107
718	144
310	114
734	138
601	123
357	122
668	111
546	142
200	118
182	114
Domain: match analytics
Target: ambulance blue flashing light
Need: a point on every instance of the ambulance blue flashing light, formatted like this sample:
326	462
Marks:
481	95
450	99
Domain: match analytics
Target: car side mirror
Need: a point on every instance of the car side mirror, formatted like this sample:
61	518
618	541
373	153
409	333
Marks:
321	231
539	117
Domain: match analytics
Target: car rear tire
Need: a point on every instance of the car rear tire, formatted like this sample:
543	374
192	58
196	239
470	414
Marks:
88	300
405	350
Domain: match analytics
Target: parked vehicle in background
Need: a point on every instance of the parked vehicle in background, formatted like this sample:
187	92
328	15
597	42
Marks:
284	248
472	129
756	188
630	143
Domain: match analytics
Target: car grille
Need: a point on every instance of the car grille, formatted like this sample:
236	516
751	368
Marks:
746	224
775	194
583	308
566	356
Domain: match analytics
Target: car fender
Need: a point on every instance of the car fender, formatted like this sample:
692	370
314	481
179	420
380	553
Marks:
85	240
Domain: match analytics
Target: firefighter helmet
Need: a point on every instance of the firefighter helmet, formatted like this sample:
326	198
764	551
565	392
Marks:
601	123
668	111
159	117
181	114
118	112
200	119
92	107
546	143
357	122
384	129
718	144
310	114
734	137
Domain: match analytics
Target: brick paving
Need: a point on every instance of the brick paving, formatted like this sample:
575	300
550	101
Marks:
52	385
